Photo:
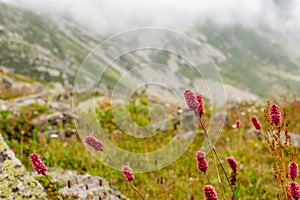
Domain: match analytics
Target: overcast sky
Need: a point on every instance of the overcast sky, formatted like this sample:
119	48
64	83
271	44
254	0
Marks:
120	15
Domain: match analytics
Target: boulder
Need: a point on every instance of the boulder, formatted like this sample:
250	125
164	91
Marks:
15	182
84	186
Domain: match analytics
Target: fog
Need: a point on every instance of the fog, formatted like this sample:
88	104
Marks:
106	16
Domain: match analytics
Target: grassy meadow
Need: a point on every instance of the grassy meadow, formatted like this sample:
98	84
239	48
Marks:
181	179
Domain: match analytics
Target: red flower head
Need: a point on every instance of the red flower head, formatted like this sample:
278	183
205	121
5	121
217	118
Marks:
191	100
237	123
127	173
294	190
201	106
256	123
210	193
201	162
37	164
293	170
232	163
275	115
93	142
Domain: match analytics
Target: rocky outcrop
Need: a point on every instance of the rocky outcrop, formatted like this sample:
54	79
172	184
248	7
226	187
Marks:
15	182
84	186
15	85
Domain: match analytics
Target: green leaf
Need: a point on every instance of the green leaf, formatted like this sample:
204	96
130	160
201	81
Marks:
237	190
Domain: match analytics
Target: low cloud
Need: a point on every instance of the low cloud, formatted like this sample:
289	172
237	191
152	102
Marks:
104	16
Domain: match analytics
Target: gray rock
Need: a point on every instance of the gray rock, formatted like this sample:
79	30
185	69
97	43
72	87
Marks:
3	106
62	116
7	82
60	106
30	99
5	69
84	186
54	121
15	182
53	117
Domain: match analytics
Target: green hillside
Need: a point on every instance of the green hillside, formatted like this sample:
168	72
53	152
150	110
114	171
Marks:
52	49
252	58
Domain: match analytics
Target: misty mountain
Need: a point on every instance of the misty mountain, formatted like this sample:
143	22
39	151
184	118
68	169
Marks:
37	46
52	49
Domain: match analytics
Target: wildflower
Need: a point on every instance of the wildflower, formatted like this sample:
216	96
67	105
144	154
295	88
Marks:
127	173
293	170
275	115
233	179
201	162
237	123
93	142
191	100
233	175
232	163
256	123
210	193
294	190
201	105
38	164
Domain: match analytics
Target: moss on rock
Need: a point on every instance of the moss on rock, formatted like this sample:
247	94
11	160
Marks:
15	182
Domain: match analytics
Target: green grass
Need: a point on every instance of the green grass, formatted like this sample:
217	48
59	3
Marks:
181	179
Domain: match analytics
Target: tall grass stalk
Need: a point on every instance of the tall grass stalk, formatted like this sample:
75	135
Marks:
216	156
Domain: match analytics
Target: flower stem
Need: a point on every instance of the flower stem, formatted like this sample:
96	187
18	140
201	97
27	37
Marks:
58	194
136	191
131	185
215	153
208	180
284	170
219	180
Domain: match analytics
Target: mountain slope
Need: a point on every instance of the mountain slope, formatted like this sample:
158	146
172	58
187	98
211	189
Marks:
52	49
34	45
255	60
